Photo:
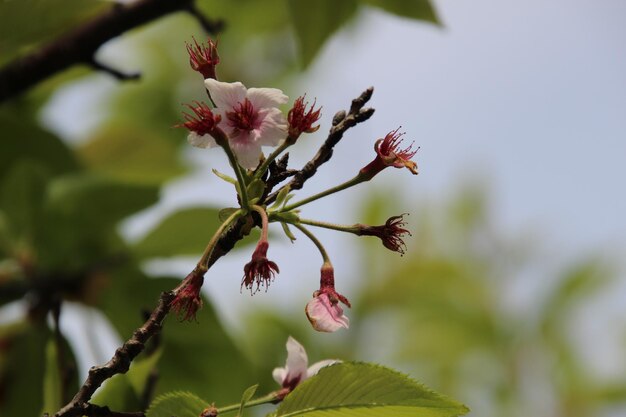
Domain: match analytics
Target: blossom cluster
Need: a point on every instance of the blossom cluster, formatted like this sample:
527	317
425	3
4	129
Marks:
242	121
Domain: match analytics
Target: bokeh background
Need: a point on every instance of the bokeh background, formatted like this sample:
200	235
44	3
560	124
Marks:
512	294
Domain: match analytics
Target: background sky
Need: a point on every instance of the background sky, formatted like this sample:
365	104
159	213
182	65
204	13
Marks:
527	98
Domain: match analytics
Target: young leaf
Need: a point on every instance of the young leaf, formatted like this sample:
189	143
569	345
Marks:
282	195
366	390
255	189
245	397
288	232
179	404
225	213
225	177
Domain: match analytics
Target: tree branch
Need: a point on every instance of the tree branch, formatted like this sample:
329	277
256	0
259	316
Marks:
123	357
341	123
79	45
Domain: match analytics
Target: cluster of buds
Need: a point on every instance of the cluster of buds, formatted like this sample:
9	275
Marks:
242	121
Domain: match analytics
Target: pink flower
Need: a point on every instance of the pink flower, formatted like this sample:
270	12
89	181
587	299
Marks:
295	370
200	124
323	311
249	117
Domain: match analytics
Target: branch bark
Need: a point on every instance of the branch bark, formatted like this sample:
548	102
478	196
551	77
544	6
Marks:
79	45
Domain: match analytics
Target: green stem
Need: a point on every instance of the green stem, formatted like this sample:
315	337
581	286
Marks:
315	240
332	226
204	260
261	170
271	397
354	181
222	140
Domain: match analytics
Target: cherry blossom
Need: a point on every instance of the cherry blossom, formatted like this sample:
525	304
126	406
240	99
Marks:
296	368
250	118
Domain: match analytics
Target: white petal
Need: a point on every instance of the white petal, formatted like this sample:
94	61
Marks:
266	97
315	368
324	316
297	359
248	152
225	95
204	141
279	375
273	128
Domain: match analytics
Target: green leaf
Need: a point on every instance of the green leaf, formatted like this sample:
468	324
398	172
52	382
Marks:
225	213
315	22
23	139
245	397
282	195
21	198
185	232
22	364
52	400
97	202
179	404
132	154
224	177
364	390
52	17
414	9
288	231
255	189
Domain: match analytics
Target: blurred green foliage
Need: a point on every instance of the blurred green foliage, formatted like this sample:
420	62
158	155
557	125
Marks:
61	204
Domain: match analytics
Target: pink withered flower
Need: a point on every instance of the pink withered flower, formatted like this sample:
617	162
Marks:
260	271
200	124
187	300
297	368
250	118
389	154
301	120
323	311
203	58
390	233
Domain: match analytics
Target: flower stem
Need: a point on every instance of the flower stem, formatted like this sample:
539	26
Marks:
264	221
204	260
222	140
315	240
350	183
261	170
269	398
332	226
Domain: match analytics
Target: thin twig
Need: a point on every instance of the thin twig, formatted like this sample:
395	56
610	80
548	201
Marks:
341	123
79	45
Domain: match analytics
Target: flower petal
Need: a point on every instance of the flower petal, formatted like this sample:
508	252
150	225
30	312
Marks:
279	375
225	95
324	316
297	360
248	152
315	368
204	141
266	97
272	129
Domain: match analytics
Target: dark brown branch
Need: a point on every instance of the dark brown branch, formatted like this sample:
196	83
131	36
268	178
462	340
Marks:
123	357
79	45
341	123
